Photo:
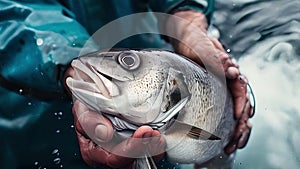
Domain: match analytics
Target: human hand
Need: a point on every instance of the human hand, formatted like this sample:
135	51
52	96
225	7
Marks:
98	148
191	40
98	145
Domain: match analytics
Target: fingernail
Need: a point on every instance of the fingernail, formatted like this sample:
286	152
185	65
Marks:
242	80
147	135
101	132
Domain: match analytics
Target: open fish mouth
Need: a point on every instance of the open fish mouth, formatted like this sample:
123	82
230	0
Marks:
91	86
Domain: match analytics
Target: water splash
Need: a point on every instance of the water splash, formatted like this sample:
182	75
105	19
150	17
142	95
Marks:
59	115
267	43
57	160
55	151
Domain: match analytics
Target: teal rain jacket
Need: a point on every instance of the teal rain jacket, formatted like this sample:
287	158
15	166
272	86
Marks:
38	39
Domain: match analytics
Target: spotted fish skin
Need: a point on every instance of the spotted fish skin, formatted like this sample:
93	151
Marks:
160	89
210	107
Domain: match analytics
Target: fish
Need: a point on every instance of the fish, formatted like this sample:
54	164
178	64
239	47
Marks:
191	107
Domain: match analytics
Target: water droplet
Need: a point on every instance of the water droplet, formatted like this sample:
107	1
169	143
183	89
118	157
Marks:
221	157
56	160
72	126
39	41
36	163
55	114
54	46
61	166
55	151
29	103
21	90
58	131
228	50
60	113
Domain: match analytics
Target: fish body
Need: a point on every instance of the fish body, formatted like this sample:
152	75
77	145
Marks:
163	90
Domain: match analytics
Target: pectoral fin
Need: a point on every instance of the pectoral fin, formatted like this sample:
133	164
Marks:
194	132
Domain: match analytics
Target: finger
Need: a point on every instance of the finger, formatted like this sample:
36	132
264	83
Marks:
217	43
134	146
245	136
232	72
230	148
247	112
225	59
238	132
241	127
231	69
128	150
120	156
89	151
69	73
92	124
241	133
238	88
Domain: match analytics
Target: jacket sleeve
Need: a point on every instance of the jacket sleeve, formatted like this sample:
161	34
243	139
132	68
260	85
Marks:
38	39
171	6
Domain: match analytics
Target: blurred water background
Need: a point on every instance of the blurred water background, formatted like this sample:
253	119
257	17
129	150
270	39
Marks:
264	36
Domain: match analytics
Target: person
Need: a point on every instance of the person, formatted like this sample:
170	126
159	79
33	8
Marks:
38	41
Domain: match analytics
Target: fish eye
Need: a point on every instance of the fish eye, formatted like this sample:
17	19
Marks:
128	60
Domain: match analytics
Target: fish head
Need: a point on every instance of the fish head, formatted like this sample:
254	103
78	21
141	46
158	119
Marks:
141	87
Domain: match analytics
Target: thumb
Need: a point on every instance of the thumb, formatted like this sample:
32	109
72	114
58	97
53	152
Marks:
91	124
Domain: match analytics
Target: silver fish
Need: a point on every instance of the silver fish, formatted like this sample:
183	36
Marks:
189	106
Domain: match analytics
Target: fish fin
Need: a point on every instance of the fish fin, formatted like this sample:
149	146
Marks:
201	134
194	132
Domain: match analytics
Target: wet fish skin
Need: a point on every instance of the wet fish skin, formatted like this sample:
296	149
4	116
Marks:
162	87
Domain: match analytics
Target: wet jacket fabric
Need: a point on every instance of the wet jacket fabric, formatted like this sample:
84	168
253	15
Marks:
38	39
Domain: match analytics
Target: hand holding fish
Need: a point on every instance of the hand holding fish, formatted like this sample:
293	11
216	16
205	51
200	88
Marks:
94	130
208	52
162	89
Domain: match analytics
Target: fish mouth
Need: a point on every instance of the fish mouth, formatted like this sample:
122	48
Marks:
91	86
